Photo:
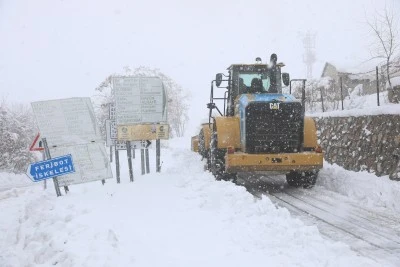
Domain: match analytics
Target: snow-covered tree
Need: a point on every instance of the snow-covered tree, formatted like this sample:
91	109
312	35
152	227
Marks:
177	98
17	130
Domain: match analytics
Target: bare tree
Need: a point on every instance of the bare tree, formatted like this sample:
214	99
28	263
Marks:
384	26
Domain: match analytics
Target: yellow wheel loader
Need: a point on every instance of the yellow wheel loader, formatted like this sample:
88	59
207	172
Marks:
260	129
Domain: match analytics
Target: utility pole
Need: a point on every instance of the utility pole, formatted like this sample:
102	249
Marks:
309	57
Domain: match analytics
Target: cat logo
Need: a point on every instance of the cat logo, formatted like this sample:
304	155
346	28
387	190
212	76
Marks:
274	106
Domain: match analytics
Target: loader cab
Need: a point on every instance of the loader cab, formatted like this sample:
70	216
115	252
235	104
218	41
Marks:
249	79
252	79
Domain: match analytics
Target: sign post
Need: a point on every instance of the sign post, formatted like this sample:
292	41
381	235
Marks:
43	158
48	156
146	153
128	152
158	156
117	170
142	160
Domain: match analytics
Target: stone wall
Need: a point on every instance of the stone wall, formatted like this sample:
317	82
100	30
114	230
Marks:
361	143
394	94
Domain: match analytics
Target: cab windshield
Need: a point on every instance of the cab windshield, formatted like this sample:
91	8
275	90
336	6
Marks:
253	82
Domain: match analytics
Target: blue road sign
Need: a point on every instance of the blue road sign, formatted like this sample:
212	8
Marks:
50	168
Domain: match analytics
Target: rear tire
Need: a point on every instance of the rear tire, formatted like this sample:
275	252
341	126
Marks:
217	161
205	153
202	147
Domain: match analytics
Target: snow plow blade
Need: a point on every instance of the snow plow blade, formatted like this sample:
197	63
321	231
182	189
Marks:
243	162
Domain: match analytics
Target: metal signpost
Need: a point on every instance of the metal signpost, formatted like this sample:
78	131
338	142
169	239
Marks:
146	154
141	114
117	169
377	86
129	155
158	155
111	140
142	161
47	153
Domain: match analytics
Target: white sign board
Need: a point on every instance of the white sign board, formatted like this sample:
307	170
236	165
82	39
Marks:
67	121
111	133
70	127
111	136
111	111
90	162
139	100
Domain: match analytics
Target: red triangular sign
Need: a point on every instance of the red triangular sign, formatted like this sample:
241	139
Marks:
33	147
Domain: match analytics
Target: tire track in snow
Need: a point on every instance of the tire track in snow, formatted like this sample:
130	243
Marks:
376	237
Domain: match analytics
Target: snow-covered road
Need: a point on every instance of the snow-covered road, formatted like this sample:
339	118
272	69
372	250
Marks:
371	232
183	217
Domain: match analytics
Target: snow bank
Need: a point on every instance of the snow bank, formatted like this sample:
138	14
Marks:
362	106
366	188
181	217
394	81
11	180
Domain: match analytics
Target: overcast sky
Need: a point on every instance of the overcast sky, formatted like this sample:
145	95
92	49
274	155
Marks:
56	49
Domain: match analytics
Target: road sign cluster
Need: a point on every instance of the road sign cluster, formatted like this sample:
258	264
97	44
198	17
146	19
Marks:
72	141
138	115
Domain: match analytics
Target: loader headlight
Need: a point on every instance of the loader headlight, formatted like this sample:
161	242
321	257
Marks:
230	150
318	149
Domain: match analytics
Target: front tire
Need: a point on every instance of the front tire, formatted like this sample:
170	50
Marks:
217	161
310	178
305	179
294	179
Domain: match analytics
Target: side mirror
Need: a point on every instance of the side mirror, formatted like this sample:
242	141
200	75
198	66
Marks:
285	78
218	79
